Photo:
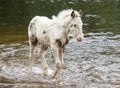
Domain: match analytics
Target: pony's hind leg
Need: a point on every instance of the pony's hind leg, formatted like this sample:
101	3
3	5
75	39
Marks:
43	60
32	42
31	56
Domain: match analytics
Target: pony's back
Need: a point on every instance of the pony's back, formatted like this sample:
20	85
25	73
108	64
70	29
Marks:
39	20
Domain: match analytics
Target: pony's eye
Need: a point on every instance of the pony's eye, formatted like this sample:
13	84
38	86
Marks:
71	25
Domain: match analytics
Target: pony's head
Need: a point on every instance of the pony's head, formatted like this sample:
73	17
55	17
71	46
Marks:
71	20
75	25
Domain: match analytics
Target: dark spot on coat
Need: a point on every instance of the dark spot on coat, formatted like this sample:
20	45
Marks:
34	40
59	42
33	37
31	26
44	32
67	41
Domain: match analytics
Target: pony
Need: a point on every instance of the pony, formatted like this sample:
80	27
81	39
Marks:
54	33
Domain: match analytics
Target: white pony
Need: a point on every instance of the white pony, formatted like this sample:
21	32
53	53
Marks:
54	33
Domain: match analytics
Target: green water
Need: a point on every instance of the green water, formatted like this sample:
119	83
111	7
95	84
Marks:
100	16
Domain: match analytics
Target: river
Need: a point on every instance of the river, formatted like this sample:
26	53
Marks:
93	63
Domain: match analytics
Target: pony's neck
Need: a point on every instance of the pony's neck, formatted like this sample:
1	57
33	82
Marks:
65	31
63	24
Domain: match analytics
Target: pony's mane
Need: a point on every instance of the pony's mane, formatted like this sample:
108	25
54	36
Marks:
63	17
64	13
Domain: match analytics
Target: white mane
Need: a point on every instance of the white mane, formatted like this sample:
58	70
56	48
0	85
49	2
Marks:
62	17
62	14
65	13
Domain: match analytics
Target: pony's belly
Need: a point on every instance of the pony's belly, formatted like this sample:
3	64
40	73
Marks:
44	40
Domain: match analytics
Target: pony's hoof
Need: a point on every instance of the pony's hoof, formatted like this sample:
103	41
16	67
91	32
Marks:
44	74
57	78
54	80
58	81
49	73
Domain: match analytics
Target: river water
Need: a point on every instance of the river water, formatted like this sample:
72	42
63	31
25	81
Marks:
94	63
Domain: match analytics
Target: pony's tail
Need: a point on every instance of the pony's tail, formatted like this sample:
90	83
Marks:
32	34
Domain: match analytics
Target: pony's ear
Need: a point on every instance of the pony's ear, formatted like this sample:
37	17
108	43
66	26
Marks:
81	13
73	14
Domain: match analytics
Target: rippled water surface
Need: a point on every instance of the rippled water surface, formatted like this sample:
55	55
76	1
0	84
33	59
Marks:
94	63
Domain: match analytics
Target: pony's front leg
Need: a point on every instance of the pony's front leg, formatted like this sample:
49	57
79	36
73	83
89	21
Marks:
43	61
55	51
61	55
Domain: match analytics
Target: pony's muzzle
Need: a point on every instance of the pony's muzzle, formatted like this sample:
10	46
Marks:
79	38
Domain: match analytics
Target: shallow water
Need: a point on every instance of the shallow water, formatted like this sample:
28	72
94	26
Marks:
94	63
